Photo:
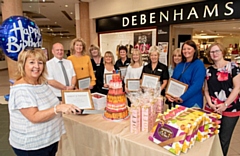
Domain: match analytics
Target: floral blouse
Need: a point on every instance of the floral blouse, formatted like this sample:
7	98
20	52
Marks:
220	85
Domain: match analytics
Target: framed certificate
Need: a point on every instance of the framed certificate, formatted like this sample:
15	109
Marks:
108	77
176	88
133	84
150	81
123	71
84	83
81	99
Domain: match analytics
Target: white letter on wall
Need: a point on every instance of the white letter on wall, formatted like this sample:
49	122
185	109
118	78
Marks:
215	8
134	19
229	8
125	19
165	17
143	19
175	14
192	12
152	17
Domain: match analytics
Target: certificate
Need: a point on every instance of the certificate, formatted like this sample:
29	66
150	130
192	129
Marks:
123	71
176	88
133	84
150	81
81	99
84	83
108	77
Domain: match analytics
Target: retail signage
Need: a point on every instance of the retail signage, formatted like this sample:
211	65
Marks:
186	13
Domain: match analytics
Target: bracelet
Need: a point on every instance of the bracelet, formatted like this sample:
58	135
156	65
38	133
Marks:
225	104
55	109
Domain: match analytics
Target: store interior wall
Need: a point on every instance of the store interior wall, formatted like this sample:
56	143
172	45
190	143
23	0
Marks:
110	41
113	7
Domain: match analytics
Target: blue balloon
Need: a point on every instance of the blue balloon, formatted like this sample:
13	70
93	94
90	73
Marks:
17	33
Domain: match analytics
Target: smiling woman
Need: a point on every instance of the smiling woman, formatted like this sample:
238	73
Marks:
190	71
35	112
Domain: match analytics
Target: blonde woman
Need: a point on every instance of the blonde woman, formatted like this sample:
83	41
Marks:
107	68
96	58
176	59
157	68
81	61
134	70
36	123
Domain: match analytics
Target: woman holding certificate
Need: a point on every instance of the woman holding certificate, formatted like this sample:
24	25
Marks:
36	123
81	61
103	71
134	70
156	68
221	88
191	72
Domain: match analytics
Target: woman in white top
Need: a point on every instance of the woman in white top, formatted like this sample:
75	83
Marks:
36	123
108	67
134	70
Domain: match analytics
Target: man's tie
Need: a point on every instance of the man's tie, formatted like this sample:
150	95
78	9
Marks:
64	73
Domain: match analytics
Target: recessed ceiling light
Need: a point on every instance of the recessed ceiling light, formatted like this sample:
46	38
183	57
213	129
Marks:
234	27
55	22
71	13
202	31
30	6
66	5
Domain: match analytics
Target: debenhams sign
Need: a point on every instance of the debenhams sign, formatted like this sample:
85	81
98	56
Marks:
195	12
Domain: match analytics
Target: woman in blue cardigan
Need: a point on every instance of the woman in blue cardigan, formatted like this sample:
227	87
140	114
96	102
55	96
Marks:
190	71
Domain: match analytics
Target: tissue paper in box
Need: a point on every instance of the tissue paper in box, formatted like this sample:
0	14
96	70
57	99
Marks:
99	101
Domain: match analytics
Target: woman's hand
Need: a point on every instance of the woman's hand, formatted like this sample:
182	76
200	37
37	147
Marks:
220	108
67	109
170	98
105	85
178	100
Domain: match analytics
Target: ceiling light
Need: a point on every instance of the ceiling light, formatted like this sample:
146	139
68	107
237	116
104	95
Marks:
202	31
71	13
30	6
234	27
43	0
66	5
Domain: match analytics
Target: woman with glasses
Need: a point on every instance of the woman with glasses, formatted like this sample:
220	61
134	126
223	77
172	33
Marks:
36	123
190	71
221	88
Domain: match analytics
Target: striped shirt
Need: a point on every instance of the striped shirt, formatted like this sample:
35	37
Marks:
24	134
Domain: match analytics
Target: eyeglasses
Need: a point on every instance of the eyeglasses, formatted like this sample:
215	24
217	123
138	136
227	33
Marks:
214	51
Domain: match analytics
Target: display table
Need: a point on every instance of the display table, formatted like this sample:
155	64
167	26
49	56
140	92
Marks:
91	135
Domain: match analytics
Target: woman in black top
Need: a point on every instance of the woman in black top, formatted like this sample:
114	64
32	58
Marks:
156	68
97	61
124	61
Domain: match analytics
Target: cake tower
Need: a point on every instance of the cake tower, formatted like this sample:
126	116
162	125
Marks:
116	107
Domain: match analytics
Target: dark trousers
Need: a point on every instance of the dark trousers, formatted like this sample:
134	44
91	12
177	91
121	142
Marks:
227	126
46	151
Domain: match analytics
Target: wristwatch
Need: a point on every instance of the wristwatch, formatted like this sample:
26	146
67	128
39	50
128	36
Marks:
225	104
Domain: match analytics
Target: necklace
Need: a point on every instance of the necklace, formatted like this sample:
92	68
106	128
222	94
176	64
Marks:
185	67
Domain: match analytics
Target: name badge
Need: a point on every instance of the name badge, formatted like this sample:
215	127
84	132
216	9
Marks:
127	64
98	64
160	70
